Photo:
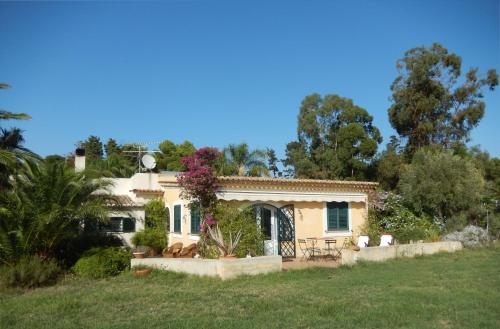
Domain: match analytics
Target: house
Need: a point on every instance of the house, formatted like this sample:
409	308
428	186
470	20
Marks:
131	195
286	209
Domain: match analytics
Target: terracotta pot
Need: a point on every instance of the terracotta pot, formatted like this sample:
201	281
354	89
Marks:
142	272
139	254
228	257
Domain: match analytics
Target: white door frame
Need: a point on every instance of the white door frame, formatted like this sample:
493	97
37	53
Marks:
273	243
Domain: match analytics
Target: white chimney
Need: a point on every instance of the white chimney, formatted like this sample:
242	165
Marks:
79	159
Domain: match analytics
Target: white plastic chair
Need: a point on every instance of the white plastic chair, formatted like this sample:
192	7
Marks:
363	241
385	240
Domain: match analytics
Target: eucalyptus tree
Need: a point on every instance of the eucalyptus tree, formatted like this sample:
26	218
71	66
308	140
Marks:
432	102
336	139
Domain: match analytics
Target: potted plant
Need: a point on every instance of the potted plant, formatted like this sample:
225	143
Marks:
353	245
140	251
226	249
141	270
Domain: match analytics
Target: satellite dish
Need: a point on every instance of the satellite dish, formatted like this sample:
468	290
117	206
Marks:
148	161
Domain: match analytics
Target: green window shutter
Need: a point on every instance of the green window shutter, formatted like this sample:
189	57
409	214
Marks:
332	216
195	220
177	218
337	216
343	216
128	224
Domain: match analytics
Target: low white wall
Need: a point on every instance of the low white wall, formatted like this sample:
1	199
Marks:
223	268
378	254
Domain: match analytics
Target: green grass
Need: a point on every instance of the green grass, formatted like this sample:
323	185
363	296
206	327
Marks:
460	290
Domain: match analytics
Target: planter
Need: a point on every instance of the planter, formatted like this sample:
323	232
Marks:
142	272
228	257
139	254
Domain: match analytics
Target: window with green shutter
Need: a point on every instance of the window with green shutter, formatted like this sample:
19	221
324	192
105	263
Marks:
195	220
177	218
128	224
337	216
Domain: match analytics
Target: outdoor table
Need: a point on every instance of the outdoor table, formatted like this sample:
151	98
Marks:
330	247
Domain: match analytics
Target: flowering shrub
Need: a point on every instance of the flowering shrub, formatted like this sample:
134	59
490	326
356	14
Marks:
199	186
199	182
398	220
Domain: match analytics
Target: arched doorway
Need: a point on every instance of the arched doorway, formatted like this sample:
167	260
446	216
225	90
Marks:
278	227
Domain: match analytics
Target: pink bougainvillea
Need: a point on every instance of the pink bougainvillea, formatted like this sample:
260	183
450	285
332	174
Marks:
199	182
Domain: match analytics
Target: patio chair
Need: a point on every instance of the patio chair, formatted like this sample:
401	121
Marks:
172	251
363	241
330	248
304	249
386	240
313	247
189	251
345	245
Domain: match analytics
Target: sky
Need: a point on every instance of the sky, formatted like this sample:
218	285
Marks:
220	72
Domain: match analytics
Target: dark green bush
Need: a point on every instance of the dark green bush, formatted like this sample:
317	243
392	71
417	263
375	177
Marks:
404	235
154	238
30	272
102	262
70	250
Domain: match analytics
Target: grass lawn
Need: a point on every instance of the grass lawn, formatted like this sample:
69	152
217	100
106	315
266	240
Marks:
460	290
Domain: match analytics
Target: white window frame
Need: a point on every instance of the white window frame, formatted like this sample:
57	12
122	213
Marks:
337	233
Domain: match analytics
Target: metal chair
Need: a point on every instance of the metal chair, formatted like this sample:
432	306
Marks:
330	248
306	253
314	249
345	245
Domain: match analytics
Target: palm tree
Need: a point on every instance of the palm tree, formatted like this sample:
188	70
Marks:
240	161
14	158
39	212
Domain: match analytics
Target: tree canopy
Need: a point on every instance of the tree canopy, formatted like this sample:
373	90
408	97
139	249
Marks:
171	155
443	185
336	139
432	103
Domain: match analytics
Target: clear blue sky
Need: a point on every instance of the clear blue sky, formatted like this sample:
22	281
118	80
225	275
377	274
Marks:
219	72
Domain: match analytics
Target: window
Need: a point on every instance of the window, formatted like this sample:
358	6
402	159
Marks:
337	216
118	224
265	223
195	220
177	218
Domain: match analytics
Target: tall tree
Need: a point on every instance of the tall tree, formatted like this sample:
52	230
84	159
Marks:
272	162
112	148
390	164
336	139
432	103
93	148
171	155
241	161
15	159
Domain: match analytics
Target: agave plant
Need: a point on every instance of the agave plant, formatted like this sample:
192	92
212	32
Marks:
225	249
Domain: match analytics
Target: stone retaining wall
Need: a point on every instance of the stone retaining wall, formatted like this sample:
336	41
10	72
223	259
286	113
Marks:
378	254
223	268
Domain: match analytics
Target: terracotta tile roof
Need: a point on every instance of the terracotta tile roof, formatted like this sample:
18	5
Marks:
295	184
294	180
120	200
139	190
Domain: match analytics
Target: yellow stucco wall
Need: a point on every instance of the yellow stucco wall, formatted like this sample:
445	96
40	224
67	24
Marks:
310	219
